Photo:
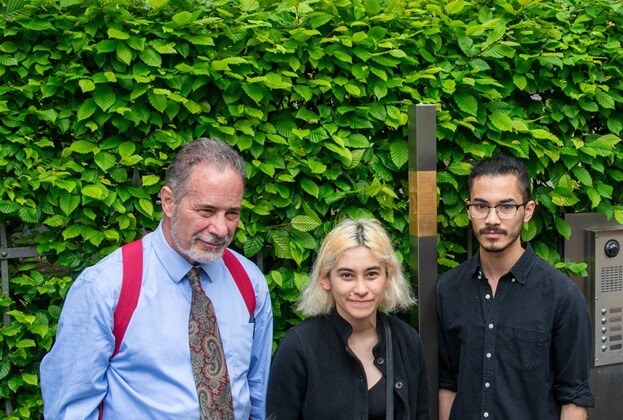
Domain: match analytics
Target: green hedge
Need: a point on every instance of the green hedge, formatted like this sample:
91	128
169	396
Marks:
96	96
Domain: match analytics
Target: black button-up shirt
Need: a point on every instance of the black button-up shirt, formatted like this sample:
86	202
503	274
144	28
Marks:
520	354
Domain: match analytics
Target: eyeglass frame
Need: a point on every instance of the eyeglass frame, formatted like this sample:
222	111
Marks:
517	206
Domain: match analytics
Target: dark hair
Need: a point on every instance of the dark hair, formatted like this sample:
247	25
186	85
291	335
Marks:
500	164
211	151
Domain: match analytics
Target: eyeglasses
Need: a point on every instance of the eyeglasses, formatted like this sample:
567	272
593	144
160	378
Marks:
504	211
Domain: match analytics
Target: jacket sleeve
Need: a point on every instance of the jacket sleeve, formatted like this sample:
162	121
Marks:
287	384
447	376
572	342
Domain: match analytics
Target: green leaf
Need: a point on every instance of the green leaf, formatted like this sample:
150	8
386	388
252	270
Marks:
86	85
310	187
501	121
582	175
147	206
30	379
281	243
563	227
275	276
126	149
105	160
117	34
604	100
520	81
183	18
8	207
87	109
26	343
148	180
5	368
124	53
399	152
467	46
96	191
68	203
253	245
316	20
55	221
467	103
83	146
159	102
151	57
305	223
455	7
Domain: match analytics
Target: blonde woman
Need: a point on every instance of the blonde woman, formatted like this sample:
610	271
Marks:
336	364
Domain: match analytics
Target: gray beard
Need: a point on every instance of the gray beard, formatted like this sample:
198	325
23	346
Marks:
203	257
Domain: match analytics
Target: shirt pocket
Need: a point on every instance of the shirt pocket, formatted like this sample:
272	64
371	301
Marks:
240	337
523	347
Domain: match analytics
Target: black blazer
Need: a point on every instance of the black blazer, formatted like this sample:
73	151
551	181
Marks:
314	375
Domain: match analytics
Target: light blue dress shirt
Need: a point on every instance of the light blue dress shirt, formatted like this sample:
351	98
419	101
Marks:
151	376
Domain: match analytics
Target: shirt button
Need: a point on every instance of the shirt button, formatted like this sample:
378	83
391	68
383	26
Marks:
485	414
488	355
380	361
487	296
513	279
487	384
490	326
398	385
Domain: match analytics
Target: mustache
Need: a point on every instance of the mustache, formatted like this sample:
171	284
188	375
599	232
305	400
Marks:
213	239
492	229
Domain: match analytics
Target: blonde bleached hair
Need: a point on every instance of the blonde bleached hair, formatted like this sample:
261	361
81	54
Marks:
347	235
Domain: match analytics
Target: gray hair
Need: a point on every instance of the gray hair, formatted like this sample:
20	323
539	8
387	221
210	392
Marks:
204	150
347	235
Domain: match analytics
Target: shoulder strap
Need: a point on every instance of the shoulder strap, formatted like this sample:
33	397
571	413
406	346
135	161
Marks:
132	256
242	280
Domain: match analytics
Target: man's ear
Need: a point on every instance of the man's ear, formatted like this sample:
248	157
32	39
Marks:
529	211
167	199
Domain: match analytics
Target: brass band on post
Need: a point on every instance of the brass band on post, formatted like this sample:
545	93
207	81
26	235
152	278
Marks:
423	203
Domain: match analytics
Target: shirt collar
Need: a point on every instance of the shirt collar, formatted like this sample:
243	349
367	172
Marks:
520	270
174	264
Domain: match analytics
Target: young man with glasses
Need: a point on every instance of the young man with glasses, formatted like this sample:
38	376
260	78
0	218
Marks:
514	333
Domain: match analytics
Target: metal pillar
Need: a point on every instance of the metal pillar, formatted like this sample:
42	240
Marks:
6	254
423	234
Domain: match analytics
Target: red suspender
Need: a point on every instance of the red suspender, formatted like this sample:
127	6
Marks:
242	280
132	255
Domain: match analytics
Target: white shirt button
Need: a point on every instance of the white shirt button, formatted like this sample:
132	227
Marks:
487	384
488	355
513	279
487	296
490	326
485	414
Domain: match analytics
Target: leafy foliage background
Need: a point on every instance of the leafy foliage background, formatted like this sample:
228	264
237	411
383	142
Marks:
97	95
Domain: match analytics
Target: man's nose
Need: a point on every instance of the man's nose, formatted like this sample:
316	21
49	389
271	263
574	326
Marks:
492	216
218	225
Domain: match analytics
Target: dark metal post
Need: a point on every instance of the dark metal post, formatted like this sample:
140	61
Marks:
423	233
7	253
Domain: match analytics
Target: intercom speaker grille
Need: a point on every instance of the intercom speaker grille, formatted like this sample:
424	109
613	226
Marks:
611	279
